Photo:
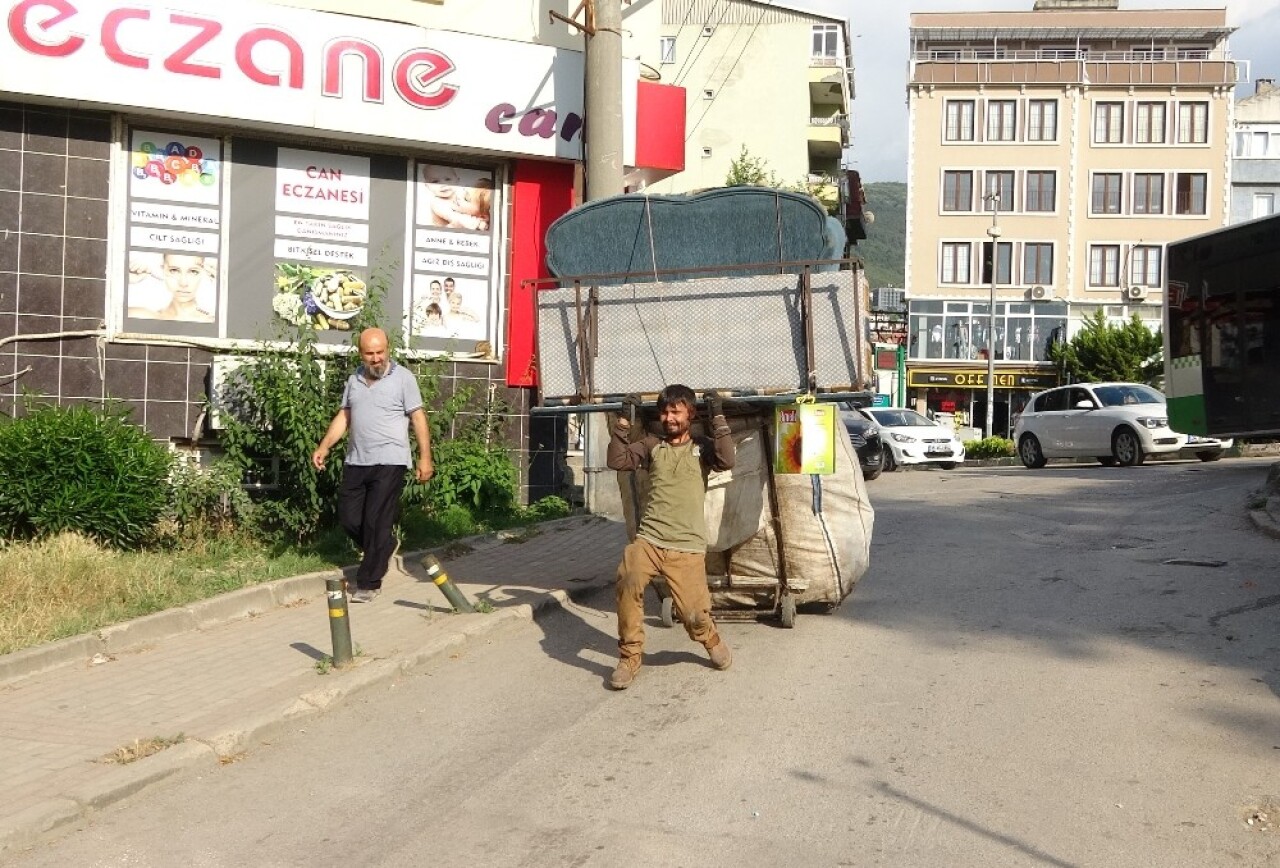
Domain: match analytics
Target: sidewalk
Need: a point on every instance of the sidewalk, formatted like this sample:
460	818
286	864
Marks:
233	672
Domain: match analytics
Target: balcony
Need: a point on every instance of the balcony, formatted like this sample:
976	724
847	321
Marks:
828	135
981	66
829	84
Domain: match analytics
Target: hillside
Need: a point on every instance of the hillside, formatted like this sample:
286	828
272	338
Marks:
884	246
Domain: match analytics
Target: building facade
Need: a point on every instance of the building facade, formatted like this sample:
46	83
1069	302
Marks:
180	181
772	78
1255	167
1053	154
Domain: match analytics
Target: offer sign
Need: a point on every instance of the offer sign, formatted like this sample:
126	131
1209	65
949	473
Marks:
805	440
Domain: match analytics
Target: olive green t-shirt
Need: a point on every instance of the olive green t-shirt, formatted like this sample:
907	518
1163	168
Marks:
677	488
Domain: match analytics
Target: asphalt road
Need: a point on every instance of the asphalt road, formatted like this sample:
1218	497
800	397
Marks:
1021	679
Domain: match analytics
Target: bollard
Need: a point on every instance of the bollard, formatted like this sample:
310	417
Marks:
451	593
339	626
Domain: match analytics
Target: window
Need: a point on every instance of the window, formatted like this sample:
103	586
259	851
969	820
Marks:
667	49
1002	120
1041	191
1108	123
1104	265
1144	265
1051	402
1190	193
1193	123
957	191
1264	204
1148	123
1148	193
826	41
955	262
1037	263
1042	120
1257	143
1001	184
1004	262
959	120
1106	193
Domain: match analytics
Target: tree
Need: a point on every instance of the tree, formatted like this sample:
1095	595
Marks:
749	171
1102	352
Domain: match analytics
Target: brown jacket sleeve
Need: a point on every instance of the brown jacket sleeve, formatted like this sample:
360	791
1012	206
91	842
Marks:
623	455
722	453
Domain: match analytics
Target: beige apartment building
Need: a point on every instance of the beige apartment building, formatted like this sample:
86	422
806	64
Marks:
1078	137
773	77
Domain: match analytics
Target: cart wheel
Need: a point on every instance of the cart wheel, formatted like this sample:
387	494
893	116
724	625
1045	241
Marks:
668	612
788	613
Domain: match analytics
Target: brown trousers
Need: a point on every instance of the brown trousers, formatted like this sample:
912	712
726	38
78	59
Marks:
686	575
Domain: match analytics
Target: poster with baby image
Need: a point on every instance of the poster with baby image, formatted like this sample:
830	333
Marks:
451	197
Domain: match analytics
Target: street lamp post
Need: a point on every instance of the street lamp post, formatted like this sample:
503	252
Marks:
994	233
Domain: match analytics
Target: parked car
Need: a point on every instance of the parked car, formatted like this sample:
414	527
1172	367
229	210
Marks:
910	438
1205	448
864	436
1116	423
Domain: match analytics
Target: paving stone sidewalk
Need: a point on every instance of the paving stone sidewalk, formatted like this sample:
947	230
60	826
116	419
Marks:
235	672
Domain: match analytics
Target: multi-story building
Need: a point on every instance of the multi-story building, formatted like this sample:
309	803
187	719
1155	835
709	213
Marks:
1255	167
1053	154
773	78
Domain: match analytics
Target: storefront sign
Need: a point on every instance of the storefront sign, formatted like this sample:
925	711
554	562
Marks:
317	71
968	378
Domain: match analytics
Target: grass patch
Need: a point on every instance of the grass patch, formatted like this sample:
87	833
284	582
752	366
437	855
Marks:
140	748
69	585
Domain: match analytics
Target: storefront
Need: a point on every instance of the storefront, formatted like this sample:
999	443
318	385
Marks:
960	393
179	180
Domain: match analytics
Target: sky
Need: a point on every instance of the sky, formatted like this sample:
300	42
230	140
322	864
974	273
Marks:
878	30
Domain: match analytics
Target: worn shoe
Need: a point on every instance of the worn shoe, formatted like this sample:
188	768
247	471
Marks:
625	673
366	595
721	656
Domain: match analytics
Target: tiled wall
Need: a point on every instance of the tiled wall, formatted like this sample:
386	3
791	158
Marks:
54	186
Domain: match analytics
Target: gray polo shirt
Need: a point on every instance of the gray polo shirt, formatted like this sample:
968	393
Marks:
377	432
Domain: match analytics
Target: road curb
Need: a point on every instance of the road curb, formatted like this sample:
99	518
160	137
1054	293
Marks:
1262	521
222	609
32	825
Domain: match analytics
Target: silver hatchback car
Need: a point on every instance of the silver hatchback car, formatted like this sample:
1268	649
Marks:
1116	423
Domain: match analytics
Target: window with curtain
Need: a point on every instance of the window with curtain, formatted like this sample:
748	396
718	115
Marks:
1149	123
1001	184
1104	265
1002	123
955	262
1108	123
1003	263
1193	123
1144	265
1042	120
959	120
1037	263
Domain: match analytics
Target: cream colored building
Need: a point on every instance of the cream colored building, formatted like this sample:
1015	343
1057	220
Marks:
1105	133
772	77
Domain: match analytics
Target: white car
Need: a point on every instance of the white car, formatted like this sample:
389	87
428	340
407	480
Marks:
1206	448
910	438
1116	423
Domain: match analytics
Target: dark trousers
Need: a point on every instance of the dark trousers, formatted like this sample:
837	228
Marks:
368	506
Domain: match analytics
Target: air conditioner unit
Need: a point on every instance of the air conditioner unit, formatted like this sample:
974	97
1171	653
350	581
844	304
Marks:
219	371
1135	293
1039	293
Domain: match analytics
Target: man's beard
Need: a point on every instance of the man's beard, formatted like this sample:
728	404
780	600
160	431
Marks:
378	370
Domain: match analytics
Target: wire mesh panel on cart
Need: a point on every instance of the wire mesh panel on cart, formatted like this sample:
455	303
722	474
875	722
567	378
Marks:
760	333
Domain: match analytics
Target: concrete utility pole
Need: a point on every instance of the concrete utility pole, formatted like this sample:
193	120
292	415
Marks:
602	159
994	233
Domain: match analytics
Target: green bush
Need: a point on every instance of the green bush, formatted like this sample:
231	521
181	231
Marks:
84	470
469	473
547	508
210	499
989	447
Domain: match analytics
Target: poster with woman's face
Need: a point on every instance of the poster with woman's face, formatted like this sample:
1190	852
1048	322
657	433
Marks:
179	286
